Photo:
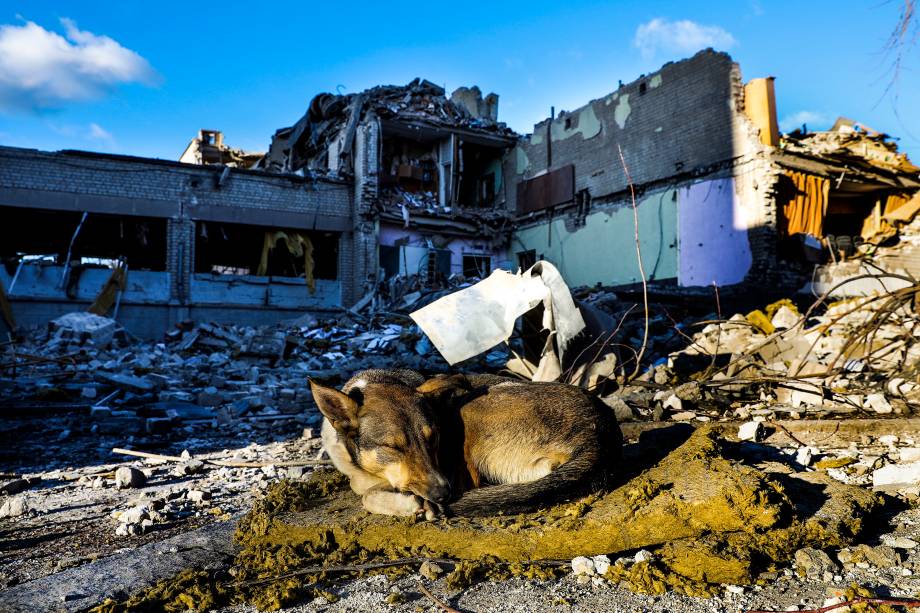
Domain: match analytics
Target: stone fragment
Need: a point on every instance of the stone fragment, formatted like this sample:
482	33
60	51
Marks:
896	476
751	431
673	403
128	476
81	327
878	403
684	416
138	385
898	542
15	507
430	570
198	496
784	318
813	563
296	472
621	410
191	467
601	564
888	439
582	566
135	514
643	555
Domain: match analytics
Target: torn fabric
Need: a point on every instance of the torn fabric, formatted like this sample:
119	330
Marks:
117	282
298	245
473	320
807	205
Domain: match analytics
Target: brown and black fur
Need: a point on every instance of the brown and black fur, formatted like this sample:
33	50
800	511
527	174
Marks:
500	445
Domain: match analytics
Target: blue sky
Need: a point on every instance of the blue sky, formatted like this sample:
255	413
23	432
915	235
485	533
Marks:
142	78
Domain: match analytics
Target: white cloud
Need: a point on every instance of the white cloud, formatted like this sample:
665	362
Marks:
41	69
814	120
97	132
679	37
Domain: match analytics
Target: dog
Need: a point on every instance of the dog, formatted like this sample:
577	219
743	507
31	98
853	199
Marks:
465	444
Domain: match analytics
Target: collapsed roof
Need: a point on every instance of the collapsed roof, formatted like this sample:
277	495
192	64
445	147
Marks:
332	119
851	142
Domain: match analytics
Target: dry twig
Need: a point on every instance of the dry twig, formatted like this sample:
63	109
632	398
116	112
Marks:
635	208
437	601
227	463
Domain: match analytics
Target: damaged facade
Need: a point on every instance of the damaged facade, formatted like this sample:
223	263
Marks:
195	241
427	173
396	190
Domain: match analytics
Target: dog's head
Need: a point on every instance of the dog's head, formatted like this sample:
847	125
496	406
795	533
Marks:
391	430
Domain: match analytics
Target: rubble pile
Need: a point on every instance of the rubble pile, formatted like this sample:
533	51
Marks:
858	356
205	374
850	141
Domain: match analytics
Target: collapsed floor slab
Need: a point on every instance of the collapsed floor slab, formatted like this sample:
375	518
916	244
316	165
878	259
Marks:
78	589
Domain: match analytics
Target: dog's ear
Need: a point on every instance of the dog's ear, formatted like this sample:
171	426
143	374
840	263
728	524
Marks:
339	408
444	388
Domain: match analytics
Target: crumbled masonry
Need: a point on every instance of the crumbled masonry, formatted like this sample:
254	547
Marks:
710	517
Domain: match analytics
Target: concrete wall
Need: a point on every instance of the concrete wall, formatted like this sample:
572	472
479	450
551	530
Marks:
251	290
145	308
603	249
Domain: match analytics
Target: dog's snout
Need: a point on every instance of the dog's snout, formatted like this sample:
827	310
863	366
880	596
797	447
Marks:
440	491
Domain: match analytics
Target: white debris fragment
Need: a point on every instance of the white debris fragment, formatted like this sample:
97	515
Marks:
582	566
601	564
878	403
751	431
644	555
895	476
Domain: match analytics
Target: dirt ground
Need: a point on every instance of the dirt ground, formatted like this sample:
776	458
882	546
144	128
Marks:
70	518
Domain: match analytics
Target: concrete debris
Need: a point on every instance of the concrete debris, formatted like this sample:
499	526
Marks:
814	563
14	507
127	476
79	328
893	477
751	431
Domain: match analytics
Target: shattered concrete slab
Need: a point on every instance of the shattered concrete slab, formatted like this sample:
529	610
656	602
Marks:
83	587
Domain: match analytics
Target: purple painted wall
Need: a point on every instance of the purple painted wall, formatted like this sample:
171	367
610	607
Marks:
712	235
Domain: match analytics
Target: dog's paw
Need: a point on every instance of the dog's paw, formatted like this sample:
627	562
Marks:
432	510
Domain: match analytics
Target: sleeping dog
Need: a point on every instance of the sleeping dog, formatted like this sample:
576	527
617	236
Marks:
465	444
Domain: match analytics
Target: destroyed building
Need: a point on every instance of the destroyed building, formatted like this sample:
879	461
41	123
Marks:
427	172
721	198
158	242
376	195
209	148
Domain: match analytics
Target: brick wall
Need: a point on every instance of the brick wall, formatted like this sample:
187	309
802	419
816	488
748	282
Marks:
674	120
126	177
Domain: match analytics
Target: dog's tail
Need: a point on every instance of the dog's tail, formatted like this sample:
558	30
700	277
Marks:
580	475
